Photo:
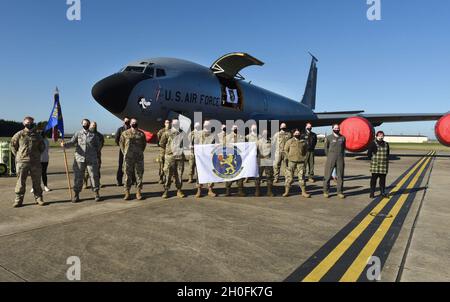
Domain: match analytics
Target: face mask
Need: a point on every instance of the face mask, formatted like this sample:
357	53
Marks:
308	129
380	139
134	126
297	136
235	131
86	127
283	129
127	124
337	131
93	130
30	126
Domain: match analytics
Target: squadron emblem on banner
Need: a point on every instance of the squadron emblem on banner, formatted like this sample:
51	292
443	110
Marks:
227	162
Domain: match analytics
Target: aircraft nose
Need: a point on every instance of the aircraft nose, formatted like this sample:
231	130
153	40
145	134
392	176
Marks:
113	92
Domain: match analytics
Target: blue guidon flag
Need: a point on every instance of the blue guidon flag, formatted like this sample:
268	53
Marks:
55	121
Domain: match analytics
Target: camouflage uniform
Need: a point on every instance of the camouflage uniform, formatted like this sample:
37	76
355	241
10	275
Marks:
194	139
27	146
280	138
265	165
172	142
99	158
160	158
87	147
231	139
206	138
222	138
133	144
295	150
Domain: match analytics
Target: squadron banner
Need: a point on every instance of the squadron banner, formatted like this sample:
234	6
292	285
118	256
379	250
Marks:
219	163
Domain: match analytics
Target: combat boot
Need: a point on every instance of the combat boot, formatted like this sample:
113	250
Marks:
241	192
311	179
127	195
341	196
269	190
211	193
275	180
199	193
40	201
18	202
97	196
286	191
326	195
180	194
165	194
139	194
304	194
76	197
257	191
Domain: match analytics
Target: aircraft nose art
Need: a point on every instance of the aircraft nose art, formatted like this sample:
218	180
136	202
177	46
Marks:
113	92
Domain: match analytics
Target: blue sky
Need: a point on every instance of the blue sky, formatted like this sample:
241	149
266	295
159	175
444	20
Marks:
400	64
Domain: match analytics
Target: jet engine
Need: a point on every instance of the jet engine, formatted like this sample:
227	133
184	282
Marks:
358	132
442	130
148	136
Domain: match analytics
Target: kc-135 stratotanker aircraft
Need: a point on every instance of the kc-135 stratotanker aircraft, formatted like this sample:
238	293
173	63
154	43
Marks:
156	89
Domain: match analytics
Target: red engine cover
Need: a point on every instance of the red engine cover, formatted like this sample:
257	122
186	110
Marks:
442	130
148	135
358	132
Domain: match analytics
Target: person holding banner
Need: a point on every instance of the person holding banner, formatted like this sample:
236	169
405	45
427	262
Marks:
27	146
265	164
87	146
206	138
232	138
173	144
295	150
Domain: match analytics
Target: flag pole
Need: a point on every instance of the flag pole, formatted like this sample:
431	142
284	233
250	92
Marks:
67	171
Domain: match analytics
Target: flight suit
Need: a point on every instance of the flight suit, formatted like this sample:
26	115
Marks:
311	140
160	158
173	144
233	138
206	138
335	151
27	146
280	138
87	147
295	150
133	144
265	165
194	137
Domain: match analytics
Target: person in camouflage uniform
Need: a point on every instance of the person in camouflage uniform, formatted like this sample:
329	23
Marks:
86	158
222	136
101	138
265	164
27	146
295	150
206	138
252	137
232	138
160	159
132	144
280	138
378	153
194	138
173	143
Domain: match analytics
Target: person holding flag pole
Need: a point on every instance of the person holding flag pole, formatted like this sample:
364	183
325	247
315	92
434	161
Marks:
56	124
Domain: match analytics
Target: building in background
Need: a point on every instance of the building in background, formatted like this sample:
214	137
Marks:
406	139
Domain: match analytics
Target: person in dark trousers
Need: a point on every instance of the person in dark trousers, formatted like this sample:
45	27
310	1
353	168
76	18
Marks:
125	127
335	151
311	141
378	153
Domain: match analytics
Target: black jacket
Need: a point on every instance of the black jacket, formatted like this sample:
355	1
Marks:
311	139
119	133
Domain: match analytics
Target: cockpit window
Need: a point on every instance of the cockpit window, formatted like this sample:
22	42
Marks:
149	71
134	68
160	73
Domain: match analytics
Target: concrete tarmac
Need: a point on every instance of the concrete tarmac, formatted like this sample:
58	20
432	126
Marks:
230	238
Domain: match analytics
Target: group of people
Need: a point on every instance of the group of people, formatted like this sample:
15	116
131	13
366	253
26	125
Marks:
292	154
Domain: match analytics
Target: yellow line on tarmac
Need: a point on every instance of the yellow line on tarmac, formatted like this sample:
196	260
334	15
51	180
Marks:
325	265
357	267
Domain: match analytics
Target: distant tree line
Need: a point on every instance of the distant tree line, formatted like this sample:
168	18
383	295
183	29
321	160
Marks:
9	128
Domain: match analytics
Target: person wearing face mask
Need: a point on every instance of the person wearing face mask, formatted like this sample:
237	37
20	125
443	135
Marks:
207	137
311	139
133	143
160	158
378	153
27	146
123	128
335	152
173	143
223	135
232	138
87	146
265	163
280	138
295	150
101	138
194	138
